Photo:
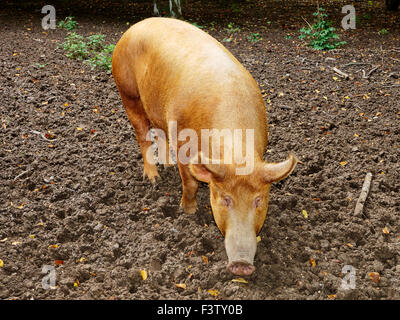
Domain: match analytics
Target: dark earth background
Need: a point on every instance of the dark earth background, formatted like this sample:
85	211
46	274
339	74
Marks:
79	203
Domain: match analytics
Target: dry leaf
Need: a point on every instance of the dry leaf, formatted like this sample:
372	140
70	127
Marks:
385	230
331	296
343	163
213	292
1	263
181	285
374	276
59	262
143	273
258	239
304	213
312	262
21	205
240	280
205	259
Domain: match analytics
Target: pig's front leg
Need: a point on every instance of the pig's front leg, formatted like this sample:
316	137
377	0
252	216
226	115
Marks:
189	189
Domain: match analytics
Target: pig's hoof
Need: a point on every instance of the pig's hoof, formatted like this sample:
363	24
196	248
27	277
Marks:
151	174
240	268
190	208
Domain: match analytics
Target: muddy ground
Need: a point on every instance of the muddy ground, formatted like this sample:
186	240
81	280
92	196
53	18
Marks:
78	202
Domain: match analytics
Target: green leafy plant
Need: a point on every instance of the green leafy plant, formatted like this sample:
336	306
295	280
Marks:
92	50
96	42
68	23
254	37
321	35
383	31
75	46
231	28
103	58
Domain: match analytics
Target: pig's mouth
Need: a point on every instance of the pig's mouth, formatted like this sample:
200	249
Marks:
241	268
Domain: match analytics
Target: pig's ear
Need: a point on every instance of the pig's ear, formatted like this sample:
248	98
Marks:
274	172
206	171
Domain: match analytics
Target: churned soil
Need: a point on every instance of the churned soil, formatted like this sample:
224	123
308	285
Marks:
72	194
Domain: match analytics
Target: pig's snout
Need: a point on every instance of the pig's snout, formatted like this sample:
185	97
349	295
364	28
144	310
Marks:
241	268
241	245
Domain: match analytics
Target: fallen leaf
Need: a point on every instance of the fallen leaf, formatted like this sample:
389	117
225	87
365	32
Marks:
312	262
76	284
331	296
213	292
181	285
374	276
59	262
205	259
304	213
1	263
54	246
343	163
258	239
385	230
143	273
79	128
240	280
82	260
21	205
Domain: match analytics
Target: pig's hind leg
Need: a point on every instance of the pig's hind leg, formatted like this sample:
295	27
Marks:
189	189
139	120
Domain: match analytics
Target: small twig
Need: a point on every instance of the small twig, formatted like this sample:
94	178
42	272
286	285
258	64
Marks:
366	76
42	135
20	175
356	64
358	211
341	73
309	25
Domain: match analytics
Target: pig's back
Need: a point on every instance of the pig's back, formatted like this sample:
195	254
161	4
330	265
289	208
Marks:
184	74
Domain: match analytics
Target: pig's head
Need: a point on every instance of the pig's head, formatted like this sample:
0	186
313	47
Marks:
240	203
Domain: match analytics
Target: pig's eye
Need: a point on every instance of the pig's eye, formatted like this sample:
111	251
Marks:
227	201
257	202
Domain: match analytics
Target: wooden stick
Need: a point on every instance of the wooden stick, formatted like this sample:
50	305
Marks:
366	76
341	73
358	211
